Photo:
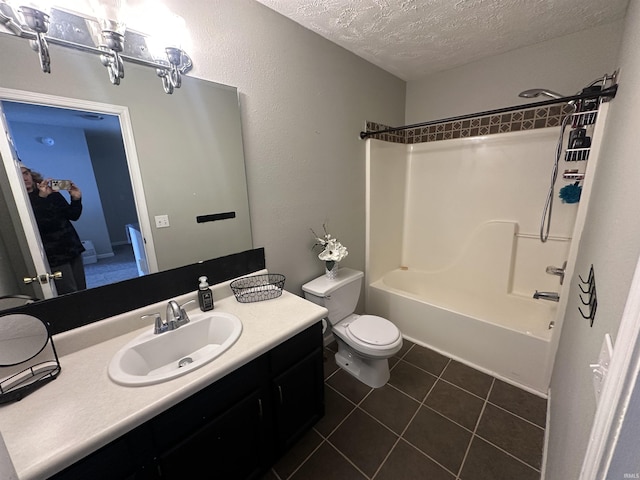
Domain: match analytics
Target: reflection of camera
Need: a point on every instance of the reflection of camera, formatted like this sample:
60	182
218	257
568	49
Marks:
60	185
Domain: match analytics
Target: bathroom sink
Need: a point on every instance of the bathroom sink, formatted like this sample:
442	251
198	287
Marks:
154	358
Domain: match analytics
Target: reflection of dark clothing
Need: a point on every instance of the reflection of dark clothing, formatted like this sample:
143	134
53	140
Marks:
73	278
53	214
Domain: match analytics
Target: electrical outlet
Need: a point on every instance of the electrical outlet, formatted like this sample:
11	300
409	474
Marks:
162	221
601	368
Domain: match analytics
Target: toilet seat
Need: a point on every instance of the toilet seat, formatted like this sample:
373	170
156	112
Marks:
372	330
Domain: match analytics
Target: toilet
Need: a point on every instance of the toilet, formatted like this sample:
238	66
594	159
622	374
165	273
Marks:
365	342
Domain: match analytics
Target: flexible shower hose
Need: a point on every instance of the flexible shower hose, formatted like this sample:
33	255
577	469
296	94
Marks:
548	206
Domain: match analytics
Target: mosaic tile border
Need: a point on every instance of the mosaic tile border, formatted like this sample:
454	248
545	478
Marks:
526	119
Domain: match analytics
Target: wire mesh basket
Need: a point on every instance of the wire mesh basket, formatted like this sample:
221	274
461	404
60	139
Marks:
258	287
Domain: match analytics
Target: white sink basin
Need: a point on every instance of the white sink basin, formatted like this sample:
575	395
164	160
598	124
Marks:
151	358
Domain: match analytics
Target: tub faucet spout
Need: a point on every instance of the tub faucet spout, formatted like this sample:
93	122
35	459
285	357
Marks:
551	296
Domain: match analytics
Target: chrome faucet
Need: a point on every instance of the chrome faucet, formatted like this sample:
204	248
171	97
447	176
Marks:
551	296
176	314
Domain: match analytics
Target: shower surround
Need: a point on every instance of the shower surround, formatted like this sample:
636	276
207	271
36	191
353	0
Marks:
453	249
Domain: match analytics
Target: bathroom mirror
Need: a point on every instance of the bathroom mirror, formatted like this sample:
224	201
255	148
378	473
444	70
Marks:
22	337
188	148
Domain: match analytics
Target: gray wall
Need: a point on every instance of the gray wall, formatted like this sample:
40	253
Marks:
564	65
304	101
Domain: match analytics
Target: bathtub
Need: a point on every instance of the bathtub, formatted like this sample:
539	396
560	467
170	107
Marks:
503	334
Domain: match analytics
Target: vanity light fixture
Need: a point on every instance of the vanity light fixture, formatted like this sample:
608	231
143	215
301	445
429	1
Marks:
108	35
101	30
36	18
171	78
166	36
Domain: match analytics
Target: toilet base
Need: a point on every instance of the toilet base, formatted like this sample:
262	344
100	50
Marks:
371	372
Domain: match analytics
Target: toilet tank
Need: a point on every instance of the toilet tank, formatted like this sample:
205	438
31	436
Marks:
339	296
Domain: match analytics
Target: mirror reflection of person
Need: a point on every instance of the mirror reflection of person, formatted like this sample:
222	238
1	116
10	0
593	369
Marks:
60	240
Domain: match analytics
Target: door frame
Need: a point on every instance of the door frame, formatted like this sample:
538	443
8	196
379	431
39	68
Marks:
14	175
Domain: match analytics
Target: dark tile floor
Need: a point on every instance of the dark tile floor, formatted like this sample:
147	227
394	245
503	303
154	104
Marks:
436	419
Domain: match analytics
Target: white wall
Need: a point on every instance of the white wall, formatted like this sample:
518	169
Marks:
304	101
564	65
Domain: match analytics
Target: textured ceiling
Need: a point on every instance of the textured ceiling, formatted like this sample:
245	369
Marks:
415	38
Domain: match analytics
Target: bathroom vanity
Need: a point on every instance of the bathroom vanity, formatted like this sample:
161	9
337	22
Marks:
232	417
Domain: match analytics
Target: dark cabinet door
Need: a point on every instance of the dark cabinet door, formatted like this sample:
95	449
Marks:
121	459
298	396
232	446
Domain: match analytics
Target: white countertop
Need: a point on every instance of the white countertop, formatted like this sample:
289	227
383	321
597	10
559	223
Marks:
83	409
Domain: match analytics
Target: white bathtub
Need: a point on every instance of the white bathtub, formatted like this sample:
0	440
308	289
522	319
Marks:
505	335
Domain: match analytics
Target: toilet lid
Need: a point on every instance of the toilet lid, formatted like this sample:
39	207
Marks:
373	330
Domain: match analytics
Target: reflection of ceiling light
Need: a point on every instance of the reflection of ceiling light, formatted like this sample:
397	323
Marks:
48	141
105	35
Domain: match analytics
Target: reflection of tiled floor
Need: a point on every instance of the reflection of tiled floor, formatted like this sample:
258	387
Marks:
436	419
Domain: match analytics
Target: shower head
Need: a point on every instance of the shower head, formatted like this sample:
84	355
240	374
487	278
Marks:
536	92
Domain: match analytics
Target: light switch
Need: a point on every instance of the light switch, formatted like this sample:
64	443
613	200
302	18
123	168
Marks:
601	368
162	221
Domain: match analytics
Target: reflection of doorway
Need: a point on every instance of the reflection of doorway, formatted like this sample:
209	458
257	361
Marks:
87	148
121	266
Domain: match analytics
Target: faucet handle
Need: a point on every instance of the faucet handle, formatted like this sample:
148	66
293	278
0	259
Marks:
158	325
551	270
183	313
185	304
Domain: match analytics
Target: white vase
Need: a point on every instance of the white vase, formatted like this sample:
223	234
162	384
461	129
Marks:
333	272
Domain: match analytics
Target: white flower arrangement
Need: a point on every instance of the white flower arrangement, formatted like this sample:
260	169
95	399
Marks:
332	250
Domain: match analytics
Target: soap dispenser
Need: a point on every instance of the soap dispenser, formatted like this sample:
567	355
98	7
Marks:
205	296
